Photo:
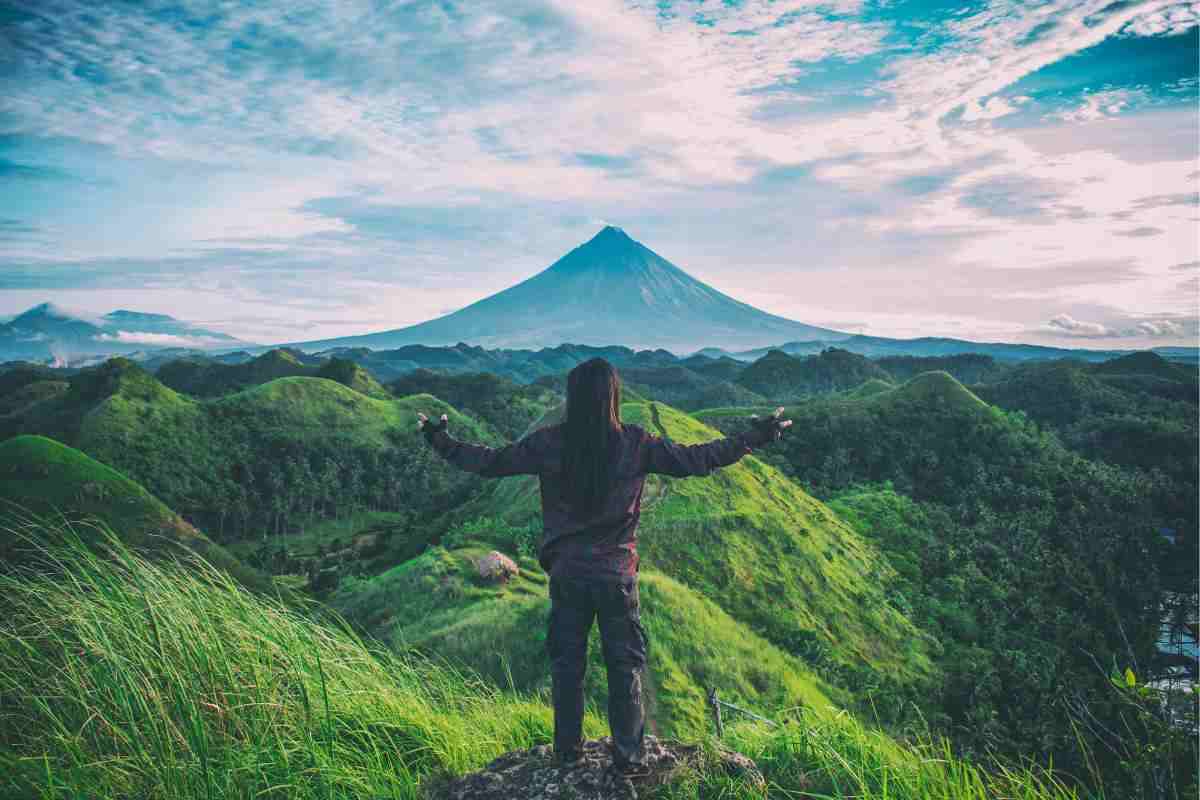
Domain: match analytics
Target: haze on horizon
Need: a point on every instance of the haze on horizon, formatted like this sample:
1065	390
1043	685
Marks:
297	171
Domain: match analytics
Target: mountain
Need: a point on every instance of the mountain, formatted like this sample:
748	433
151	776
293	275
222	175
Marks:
610	290
49	332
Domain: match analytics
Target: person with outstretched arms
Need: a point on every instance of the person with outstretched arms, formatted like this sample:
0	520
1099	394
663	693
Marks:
592	469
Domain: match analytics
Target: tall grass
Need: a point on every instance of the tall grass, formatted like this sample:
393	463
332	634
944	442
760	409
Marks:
121	677
125	678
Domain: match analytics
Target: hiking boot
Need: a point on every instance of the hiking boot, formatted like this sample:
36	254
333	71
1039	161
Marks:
569	759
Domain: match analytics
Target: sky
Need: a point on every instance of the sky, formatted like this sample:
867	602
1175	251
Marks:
1022	172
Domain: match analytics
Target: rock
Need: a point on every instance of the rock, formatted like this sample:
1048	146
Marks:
496	567
368	545
533	774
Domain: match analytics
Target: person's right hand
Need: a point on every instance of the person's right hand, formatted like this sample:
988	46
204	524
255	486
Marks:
770	427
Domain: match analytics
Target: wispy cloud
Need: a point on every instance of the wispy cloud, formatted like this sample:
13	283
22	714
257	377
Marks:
160	339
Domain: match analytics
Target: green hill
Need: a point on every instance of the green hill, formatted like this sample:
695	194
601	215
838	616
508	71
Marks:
506	405
262	459
781	377
202	377
723	393
1135	411
135	679
723	368
872	387
932	390
965	367
771	556
1145	362
43	477
353	376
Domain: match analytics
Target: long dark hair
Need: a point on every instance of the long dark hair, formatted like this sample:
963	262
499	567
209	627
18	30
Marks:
590	432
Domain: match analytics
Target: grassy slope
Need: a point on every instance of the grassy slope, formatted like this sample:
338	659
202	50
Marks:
42	476
437	605
142	680
770	555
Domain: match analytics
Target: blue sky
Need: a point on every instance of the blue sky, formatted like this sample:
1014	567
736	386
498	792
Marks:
296	170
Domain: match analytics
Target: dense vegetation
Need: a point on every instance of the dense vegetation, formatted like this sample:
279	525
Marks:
144	680
208	378
779	376
506	405
1038	570
983	562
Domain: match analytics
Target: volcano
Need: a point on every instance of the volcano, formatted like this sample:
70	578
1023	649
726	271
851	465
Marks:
611	290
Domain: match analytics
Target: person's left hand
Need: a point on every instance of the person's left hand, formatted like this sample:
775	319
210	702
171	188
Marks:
425	426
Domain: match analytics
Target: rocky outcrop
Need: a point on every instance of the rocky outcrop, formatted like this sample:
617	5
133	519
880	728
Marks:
496	567
534	775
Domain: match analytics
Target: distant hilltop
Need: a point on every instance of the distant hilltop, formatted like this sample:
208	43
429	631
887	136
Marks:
611	290
51	333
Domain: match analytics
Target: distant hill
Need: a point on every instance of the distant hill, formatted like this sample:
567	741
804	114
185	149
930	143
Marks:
504	404
48	332
965	367
1138	410
44	477
1146	362
780	377
610	290
211	378
879	346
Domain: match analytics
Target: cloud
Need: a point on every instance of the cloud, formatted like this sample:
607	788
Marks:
1066	325
160	339
994	108
1099	105
1186	265
1159	328
1171	20
1140	232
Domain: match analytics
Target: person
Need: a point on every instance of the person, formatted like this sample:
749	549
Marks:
592	469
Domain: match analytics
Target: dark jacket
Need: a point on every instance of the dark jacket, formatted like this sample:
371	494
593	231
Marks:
603	543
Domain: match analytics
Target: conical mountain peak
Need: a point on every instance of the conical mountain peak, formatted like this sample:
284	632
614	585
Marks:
611	233
610	290
610	241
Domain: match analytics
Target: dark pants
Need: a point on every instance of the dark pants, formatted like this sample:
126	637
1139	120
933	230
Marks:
574	602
